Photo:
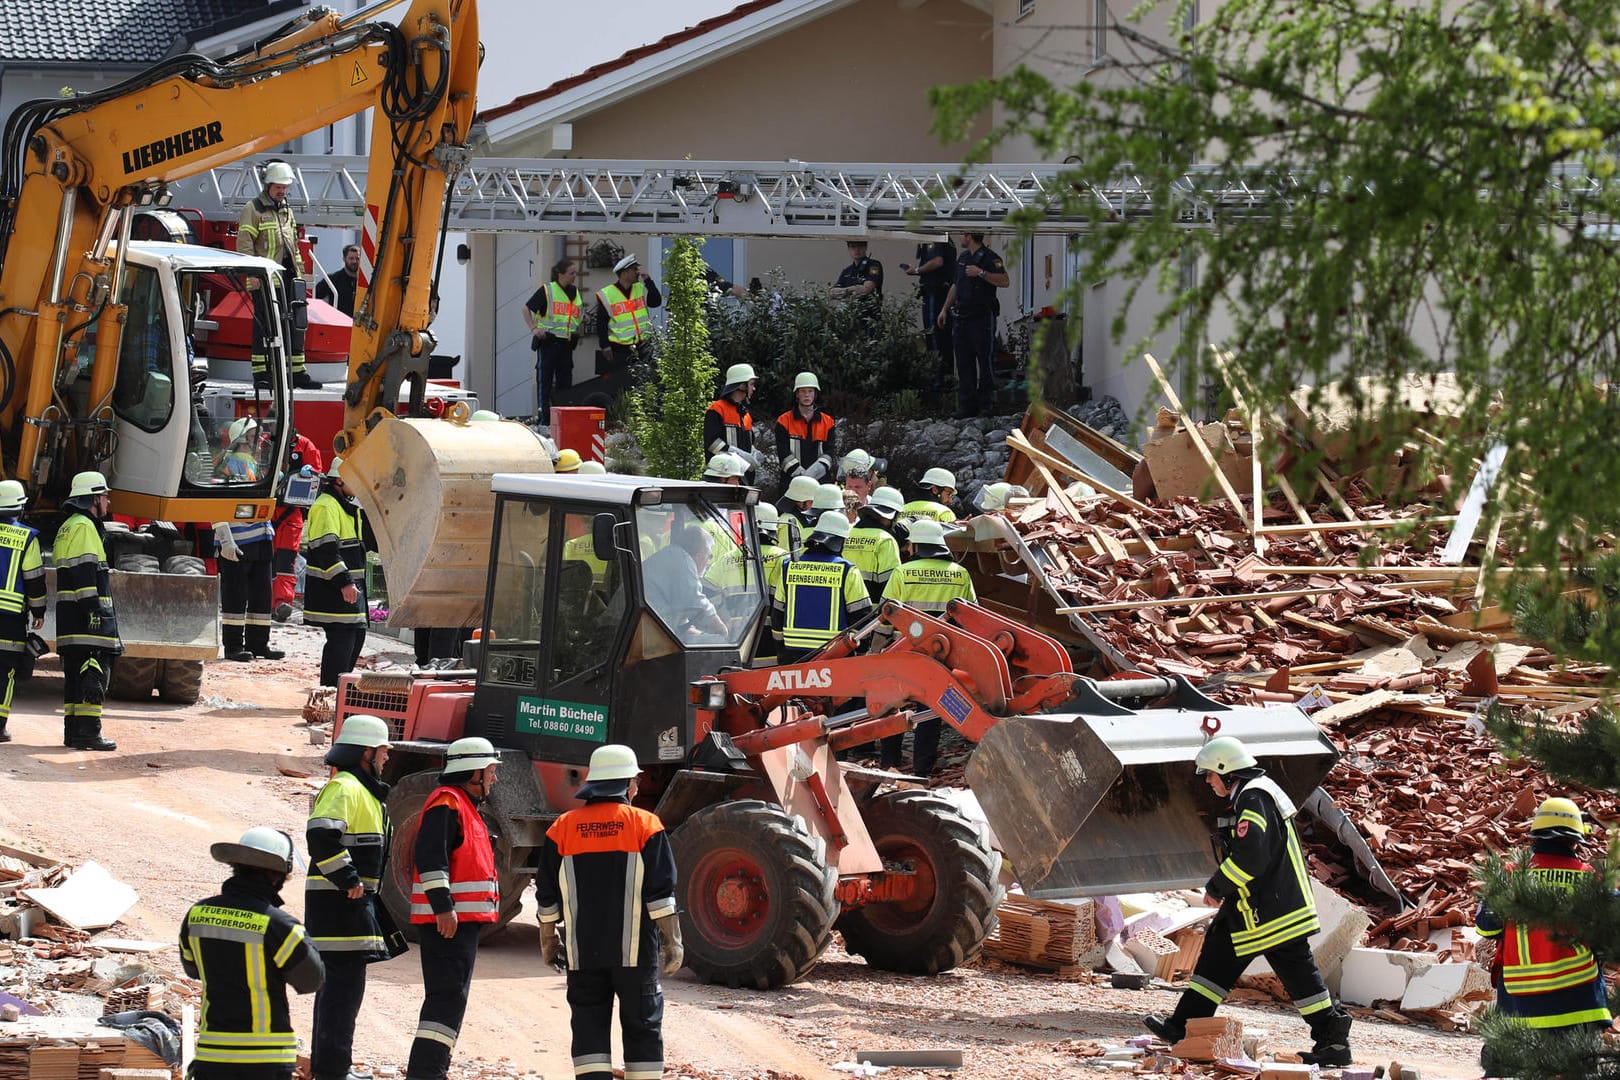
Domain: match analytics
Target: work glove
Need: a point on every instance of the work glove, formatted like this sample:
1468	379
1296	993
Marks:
550	947
306	470
93	623
674	951
228	548
817	470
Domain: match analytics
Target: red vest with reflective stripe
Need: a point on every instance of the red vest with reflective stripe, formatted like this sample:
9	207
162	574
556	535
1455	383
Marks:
732	416
1532	962
474	886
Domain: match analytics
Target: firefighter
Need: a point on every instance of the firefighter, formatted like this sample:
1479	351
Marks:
606	893
334	579
86	622
246	951
22	596
928	580
246	571
1545	978
728	425
303	458
889	499
567	463
858	472
455	894
872	547
798	512
348	835
1266	906
820	594
940	486
828	497
267	228
806	437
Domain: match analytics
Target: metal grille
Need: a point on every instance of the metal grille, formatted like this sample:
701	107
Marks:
388	704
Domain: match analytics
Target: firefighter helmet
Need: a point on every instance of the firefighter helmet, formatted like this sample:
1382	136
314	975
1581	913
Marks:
806	379
261	847
243	427
12	496
802	489
930	534
87	484
766	517
612	762
887	500
940	478
469	755
738	376
592	468
1558	817
725	466
832	524
567	462
332	469
1222	755
363	729
278	172
828	497
857	463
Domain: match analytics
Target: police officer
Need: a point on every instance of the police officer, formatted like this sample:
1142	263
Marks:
623	321
348	836
606	893
1266	906
806	437
728	425
246	951
557	313
821	594
935	271
304	459
973	306
928	580
456	893
1547	979
22	591
266	228
872	547
939	485
335	551
86	623
246	572
862	279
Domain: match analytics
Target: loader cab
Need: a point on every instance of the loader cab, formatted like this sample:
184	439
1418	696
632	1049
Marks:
607	596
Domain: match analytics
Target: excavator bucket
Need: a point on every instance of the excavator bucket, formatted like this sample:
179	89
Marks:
1106	800
425	487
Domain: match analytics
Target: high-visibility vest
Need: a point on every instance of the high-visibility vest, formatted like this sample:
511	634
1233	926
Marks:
928	508
875	554
822	597
628	320
562	315
22	574
1533	961
475	890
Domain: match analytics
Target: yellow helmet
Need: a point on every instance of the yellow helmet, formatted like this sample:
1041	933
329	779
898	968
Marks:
567	461
1559	817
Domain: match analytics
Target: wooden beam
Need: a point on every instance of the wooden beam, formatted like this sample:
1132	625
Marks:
1317	527
1054	463
1195	601
1197	437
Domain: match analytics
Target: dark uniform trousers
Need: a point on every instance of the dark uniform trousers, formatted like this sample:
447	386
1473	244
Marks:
85	672
591	992
207	1070
1219	968
244	597
924	748
553	371
939	340
974	343
337	1004
447	971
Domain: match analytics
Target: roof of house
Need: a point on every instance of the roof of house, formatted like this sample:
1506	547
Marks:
135	32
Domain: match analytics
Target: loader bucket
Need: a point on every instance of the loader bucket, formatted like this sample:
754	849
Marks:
425	487
1087	804
162	616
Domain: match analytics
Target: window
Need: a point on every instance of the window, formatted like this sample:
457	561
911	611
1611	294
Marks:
699	579
143	391
1099	31
1026	8
518	594
591	603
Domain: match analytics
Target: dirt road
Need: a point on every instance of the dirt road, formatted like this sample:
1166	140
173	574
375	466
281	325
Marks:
183	778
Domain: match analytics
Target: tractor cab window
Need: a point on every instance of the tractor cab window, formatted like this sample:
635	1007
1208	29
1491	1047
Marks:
144	389
517	594
591	604
699	570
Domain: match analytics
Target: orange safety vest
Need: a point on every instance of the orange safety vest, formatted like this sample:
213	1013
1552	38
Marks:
1532	961
735	419
801	431
474	886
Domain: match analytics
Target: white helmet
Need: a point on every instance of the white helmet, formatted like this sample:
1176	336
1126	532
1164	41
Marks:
363	729
613	762
828	497
86	484
928	533
261	847
469	755
332	469
626	263
766	517
803	489
995	496
724	466
12	495
241	428
1222	756
937	477
738	376
887	499
591	468
857	463
804	379
833	523
278	172
484	415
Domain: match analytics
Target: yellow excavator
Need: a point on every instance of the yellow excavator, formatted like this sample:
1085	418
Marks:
100	335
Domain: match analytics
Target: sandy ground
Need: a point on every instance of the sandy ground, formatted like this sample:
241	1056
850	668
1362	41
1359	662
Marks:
184	777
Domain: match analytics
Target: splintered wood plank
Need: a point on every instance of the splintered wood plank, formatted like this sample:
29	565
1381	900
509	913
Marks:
1197	440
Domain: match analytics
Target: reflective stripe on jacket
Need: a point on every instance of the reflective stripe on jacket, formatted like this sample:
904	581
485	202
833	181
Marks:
563	313
875	554
628	321
727	425
1534	961
930	584
1262	878
348	836
268	230
22	581
818	598
83	586
928	508
800	443
468	877
334	545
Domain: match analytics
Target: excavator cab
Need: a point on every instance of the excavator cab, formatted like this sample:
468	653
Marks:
607	596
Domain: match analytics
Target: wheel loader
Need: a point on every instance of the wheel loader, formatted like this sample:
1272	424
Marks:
588	637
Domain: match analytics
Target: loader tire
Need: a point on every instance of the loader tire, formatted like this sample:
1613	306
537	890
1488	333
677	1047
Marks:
133	678
756	894
405	802
179	682
957	873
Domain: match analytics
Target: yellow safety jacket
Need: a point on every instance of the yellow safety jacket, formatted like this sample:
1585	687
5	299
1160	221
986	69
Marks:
928	508
22	583
930	584
84	607
334	545
875	554
348	836
628	319
563	313
268	230
818	598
